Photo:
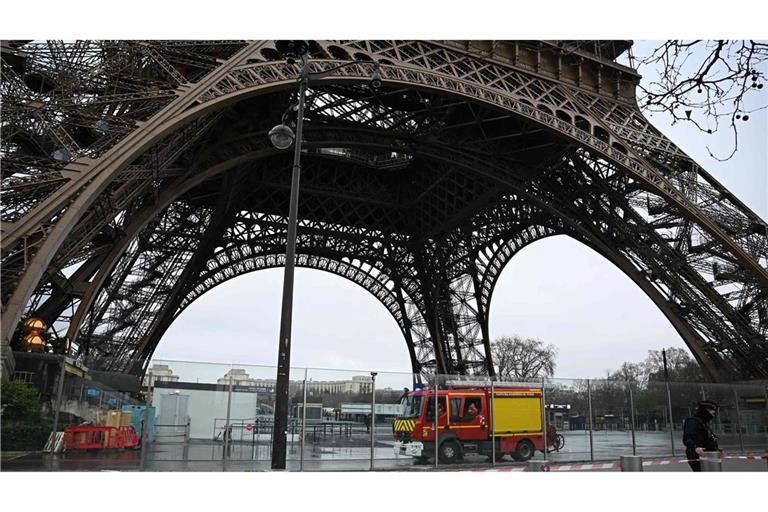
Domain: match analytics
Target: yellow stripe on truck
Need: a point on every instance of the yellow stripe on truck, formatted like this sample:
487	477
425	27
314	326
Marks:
404	425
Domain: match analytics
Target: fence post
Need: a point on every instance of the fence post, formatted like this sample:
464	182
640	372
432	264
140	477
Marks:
435	423
271	434
544	411
145	422
632	416
765	392
589	406
373	418
303	421
671	422
227	431
59	396
738	419
186	439
493	428
631	463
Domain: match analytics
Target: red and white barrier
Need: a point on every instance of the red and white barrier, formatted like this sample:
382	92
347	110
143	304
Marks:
583	467
502	470
747	457
662	462
617	465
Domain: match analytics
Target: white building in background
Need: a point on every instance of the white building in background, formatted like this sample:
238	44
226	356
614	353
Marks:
237	377
358	383
160	373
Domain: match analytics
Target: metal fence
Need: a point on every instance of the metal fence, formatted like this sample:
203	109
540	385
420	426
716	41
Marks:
219	417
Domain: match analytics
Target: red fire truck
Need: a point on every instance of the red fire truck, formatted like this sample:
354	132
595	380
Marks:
469	421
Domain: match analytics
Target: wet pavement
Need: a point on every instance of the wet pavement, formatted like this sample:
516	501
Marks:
353	454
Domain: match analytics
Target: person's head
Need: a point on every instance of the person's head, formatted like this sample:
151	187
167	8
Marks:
707	409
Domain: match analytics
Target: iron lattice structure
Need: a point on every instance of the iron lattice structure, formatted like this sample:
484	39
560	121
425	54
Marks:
137	175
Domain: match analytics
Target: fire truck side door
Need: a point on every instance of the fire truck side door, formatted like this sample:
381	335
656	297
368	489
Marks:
472	421
430	414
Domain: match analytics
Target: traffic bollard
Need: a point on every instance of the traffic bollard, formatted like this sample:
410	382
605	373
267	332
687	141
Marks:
538	465
711	461
631	463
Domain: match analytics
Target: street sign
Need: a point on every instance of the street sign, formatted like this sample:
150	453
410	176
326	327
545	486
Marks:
249	427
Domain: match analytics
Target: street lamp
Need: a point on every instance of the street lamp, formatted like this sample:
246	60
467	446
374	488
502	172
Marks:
282	137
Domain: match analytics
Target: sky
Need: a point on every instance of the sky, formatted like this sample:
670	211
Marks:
556	290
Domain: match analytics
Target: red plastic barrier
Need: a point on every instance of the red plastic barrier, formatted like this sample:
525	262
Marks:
90	437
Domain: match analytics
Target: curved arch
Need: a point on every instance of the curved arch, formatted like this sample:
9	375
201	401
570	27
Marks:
375	285
686	333
382	293
503	255
240	77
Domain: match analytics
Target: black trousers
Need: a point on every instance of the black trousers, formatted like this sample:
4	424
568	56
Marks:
695	464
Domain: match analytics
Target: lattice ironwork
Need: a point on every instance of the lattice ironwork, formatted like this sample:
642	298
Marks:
142	169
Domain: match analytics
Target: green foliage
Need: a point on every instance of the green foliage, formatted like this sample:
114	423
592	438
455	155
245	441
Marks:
20	403
24	437
23	426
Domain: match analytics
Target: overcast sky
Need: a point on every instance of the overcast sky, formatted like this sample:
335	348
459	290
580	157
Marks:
556	290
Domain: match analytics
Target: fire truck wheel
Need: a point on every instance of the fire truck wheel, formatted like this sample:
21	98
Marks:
525	450
450	452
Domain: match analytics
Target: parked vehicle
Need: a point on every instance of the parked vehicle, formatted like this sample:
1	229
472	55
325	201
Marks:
469	420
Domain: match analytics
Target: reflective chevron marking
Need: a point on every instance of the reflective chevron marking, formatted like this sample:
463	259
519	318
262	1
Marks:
404	425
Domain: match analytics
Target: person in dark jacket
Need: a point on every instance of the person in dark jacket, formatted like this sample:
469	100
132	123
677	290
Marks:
697	436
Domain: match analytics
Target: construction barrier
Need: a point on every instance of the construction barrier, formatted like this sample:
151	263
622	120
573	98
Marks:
92	437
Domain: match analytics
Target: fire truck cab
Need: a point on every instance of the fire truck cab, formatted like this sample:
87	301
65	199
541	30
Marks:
469	420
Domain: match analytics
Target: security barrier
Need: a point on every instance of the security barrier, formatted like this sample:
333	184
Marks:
220	417
627	463
88	437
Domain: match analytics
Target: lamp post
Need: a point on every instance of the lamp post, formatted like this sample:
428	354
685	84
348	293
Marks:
282	137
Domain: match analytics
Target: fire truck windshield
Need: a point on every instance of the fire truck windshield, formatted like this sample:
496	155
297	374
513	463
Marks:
411	406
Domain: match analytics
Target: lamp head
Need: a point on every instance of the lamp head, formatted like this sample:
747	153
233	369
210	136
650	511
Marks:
281	136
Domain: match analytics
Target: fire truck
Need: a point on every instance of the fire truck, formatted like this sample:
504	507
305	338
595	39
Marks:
469	420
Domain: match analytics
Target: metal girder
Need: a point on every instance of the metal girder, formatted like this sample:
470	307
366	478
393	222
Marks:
469	152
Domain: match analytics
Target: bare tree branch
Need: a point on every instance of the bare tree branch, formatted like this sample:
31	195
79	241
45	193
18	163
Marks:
681	367
705	83
523	359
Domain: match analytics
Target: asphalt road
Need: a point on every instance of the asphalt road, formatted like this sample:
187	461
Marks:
352	453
